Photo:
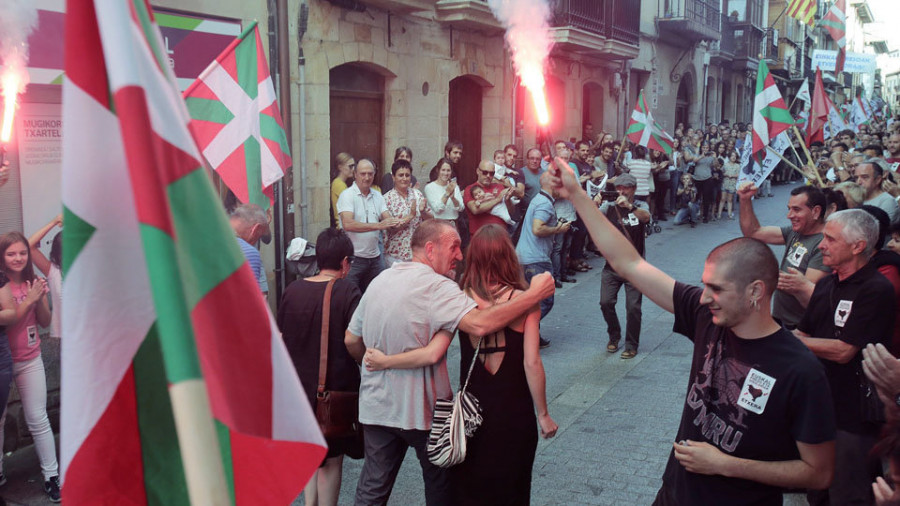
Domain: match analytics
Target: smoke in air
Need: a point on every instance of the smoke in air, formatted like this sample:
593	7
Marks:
529	40
16	24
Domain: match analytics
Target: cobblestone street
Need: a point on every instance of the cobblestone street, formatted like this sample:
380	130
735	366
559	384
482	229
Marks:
617	418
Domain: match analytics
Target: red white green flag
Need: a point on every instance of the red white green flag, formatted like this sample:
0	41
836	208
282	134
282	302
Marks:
236	121
643	130
160	303
835	22
770	113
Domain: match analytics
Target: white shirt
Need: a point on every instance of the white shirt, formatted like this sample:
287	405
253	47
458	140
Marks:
434	194
365	209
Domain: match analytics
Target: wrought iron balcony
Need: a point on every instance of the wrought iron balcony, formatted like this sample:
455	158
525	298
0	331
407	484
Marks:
722	50
769	49
606	28
747	46
690	20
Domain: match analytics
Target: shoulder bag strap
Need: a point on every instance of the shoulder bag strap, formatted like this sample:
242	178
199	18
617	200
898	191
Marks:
323	349
472	365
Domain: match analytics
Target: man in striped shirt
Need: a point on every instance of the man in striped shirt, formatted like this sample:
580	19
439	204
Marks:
640	168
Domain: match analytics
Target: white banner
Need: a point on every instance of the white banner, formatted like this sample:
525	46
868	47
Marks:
826	60
754	172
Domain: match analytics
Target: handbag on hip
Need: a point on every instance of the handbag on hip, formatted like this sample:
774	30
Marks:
337	412
453	421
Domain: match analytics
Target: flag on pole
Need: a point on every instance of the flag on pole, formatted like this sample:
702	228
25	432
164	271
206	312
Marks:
858	114
643	130
818	120
160	305
803	11
770	113
236	120
836	121
835	22
804	96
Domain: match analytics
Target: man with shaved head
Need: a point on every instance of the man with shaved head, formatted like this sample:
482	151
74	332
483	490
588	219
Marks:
756	417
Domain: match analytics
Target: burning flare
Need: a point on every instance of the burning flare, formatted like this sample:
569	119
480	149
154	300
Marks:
529	40
9	88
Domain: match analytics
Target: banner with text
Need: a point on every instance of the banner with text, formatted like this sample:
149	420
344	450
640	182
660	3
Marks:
751	170
825	59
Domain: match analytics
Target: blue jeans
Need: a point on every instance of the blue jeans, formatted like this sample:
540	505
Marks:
364	270
688	214
532	270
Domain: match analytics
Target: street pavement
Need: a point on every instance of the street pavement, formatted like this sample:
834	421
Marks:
617	418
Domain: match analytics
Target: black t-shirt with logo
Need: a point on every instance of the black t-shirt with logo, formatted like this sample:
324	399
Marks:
750	398
858	310
626	221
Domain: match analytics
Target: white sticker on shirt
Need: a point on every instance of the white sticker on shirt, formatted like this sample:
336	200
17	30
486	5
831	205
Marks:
631	220
798	252
842	312
756	390
32	336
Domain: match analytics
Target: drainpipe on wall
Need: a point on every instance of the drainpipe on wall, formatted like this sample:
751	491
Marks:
301	64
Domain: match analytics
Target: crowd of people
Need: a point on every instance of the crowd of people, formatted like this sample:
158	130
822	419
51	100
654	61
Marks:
477	260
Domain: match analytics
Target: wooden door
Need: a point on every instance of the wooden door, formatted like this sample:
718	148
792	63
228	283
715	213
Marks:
465	125
357	115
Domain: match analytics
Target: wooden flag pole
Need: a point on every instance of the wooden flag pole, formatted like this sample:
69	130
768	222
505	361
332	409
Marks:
791	165
806	151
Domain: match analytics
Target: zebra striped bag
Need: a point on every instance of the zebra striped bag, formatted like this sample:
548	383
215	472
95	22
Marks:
452	422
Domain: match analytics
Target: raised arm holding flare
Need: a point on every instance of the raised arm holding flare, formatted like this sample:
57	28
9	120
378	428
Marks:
756	409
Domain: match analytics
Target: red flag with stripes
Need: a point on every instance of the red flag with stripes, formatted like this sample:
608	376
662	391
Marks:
160	303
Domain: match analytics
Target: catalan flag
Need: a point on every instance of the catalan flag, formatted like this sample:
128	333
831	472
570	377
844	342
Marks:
803	11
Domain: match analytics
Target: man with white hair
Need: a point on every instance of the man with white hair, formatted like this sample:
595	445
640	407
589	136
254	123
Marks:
849	309
250	224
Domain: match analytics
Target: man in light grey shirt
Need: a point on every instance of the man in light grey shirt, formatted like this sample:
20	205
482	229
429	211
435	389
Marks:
405	309
870	175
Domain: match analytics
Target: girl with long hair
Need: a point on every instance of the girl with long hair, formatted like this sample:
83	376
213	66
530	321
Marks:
29	295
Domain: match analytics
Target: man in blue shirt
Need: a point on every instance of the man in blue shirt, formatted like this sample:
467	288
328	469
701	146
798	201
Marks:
250	223
536	243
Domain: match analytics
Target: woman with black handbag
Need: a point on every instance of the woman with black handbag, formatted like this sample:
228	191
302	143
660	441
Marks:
312	328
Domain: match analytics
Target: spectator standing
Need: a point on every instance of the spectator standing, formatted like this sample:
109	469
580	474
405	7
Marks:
849	309
730	171
364	215
344	166
662	181
250	223
387	181
29	294
408	205
630	215
479	211
300	322
870	175
641	169
52	268
703	178
802	265
443	195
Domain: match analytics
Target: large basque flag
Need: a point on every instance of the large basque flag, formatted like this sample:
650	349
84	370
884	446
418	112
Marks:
236	120
159	299
643	130
770	113
835	23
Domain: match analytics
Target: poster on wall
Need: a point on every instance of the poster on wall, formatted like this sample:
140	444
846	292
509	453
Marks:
39	134
192	42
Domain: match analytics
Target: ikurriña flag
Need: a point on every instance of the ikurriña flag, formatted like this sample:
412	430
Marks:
160	303
643	130
835	22
770	113
236	120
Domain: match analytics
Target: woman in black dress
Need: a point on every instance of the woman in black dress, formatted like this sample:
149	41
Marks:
508	381
300	321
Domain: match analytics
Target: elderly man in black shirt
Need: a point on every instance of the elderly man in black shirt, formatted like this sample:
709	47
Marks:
849	309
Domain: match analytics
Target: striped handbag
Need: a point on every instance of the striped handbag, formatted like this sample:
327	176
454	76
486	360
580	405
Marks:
453	421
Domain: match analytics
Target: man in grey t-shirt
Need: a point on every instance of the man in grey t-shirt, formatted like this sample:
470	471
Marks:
405	309
801	267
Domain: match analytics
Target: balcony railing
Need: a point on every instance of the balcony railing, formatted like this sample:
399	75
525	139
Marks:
724	47
769	49
690	20
615	19
747	42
